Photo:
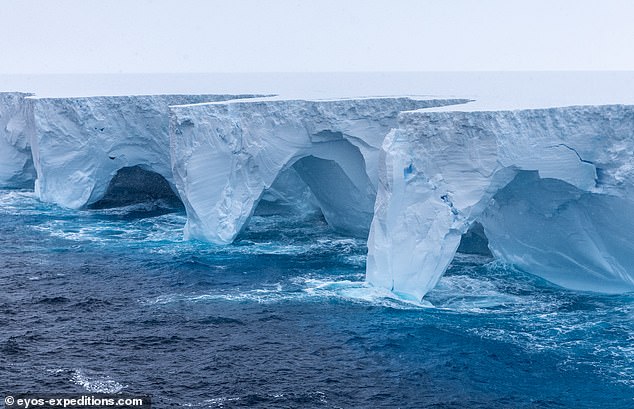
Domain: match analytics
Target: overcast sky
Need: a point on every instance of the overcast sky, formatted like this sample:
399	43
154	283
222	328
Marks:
132	36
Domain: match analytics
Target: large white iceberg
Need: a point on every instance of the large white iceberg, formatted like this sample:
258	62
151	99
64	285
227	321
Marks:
79	144
227	155
553	188
16	164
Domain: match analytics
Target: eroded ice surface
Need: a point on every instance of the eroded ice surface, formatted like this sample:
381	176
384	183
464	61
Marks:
79	144
566	220
16	163
552	187
226	155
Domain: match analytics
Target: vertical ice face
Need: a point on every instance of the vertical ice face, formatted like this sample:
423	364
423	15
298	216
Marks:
553	189
227	155
16	164
566	219
79	144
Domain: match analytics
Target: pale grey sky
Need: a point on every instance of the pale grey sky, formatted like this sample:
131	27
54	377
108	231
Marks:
132	36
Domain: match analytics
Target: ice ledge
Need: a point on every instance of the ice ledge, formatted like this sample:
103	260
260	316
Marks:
529	176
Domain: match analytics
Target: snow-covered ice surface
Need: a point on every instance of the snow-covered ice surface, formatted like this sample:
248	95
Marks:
287	85
491	90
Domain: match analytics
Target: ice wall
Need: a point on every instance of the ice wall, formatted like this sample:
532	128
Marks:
16	164
553	188
79	144
226	155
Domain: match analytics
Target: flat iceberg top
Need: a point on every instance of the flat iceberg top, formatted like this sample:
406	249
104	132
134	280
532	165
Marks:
511	91
360	108
490	90
475	110
169	98
285	101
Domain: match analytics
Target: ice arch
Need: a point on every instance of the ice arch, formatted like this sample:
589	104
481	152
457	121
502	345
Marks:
226	155
334	171
79	144
442	171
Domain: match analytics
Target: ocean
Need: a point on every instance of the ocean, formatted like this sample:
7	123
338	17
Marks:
114	300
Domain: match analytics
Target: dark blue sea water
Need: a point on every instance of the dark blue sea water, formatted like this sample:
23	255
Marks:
113	300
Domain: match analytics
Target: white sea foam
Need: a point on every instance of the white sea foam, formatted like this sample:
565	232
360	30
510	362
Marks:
220	402
468	294
95	383
311	289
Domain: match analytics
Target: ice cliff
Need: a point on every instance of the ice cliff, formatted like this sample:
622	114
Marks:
553	188
226	156
79	144
16	164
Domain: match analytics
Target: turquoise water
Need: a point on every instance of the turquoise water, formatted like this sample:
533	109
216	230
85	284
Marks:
113	300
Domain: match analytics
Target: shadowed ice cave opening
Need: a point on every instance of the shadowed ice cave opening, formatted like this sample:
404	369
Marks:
287	212
331	181
347	204
149	191
475	241
288	195
26	178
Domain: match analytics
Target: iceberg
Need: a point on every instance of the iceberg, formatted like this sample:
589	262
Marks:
549	190
16	163
79	144
226	156
553	189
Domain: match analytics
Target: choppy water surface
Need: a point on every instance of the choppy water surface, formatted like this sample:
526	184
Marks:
114	300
